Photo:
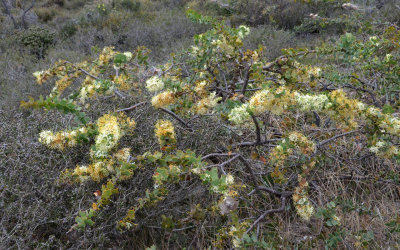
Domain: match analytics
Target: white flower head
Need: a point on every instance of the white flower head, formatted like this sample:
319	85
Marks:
243	31
128	55
154	84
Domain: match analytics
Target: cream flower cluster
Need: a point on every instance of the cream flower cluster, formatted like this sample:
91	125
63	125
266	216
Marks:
303	206
305	145
154	84
240	114
383	149
41	76
163	99
128	55
200	88
62	139
110	129
311	102
89	90
96	171
300	199
207	103
108	137
243	31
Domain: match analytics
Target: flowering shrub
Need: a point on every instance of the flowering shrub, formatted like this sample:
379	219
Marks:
214	78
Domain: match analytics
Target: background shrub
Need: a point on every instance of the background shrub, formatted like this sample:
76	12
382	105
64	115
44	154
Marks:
37	39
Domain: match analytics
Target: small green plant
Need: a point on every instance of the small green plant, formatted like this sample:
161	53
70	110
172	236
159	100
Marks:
328	214
68	30
84	219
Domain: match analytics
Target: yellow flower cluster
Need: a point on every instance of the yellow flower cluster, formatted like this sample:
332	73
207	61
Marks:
300	199
304	73
62	139
106	55
101	168
165	133
267	100
122	81
384	150
343	109
200	88
110	129
42	76
207	103
109	134
90	89
122	154
305	145
97	171
280	153
336	104
163	99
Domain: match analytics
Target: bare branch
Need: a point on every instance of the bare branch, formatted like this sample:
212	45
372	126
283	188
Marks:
25	11
271	64
8	12
84	71
131	107
320	144
258	132
272	191
215	155
262	216
247	77
177	118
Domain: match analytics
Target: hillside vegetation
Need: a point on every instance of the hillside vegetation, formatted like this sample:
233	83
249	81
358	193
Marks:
223	124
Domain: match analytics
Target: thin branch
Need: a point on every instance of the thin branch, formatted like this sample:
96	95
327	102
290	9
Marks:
248	166
320	144
262	216
271	64
363	90
8	12
131	107
119	94
215	155
241	90
247	77
84	71
258	132
25	11
177	118
272	191
243	144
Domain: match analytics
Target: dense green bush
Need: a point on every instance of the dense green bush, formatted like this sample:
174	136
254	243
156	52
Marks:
68	30
36	39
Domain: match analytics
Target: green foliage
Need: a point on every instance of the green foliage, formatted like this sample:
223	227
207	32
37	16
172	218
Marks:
253	241
394	225
329	214
131	5
67	106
